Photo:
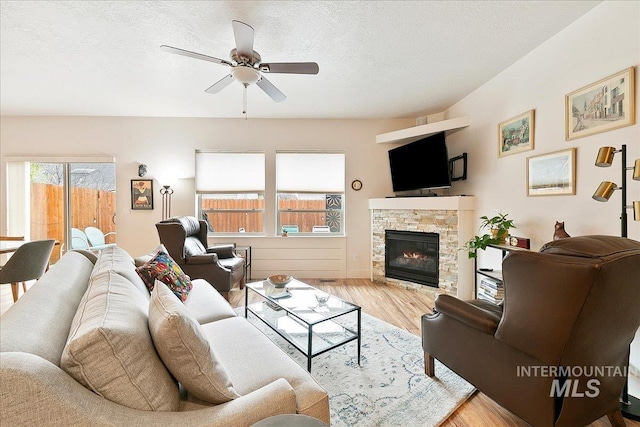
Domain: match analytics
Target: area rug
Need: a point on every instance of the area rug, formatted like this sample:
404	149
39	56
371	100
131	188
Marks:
390	387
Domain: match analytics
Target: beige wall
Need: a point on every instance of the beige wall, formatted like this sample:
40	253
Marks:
169	144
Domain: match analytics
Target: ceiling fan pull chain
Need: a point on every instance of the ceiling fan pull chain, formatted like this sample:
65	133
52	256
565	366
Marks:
244	100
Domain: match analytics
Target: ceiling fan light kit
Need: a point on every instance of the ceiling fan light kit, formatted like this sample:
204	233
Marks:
247	66
246	75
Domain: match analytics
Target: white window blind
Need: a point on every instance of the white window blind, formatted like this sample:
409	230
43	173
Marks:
310	172
229	172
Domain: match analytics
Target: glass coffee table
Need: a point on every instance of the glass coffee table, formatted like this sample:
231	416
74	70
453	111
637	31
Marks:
295	314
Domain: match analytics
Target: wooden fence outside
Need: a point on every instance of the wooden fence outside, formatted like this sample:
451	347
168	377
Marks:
89	207
231	222
252	222
304	220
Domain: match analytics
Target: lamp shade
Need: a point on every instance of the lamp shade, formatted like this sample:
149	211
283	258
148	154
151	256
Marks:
636	210
605	156
636	170
604	191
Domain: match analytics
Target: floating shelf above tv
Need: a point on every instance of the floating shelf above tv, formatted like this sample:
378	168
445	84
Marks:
417	132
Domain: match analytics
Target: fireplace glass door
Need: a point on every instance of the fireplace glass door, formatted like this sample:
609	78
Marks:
412	256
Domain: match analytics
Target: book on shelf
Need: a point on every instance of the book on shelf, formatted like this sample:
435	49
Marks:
490	290
489	298
491	284
494	295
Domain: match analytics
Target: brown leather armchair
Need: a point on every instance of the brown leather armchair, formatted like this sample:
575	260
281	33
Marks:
549	352
185	238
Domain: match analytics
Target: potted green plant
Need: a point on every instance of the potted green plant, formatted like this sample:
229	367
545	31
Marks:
498	226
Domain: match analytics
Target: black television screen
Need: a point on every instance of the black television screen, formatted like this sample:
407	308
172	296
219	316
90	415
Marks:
423	164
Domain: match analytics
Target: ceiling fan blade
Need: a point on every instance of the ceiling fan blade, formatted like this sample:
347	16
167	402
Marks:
271	90
244	39
220	84
190	54
290	67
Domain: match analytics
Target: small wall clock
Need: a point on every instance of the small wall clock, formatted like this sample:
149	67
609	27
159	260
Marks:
356	185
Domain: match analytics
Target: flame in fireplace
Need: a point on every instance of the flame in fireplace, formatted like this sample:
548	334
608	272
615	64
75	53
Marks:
415	255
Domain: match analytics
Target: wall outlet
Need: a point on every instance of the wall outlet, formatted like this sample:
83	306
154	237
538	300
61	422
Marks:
355	258
495	212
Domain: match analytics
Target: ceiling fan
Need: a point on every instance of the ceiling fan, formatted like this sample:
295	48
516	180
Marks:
247	66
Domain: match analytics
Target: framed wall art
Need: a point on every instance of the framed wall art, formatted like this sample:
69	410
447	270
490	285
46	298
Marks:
552	174
141	194
516	134
601	106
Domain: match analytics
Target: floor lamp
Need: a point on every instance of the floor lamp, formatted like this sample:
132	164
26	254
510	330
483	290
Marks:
630	405
166	191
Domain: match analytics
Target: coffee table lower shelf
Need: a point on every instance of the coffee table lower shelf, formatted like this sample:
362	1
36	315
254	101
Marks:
309	330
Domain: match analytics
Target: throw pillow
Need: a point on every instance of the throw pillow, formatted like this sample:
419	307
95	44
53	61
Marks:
110	351
184	349
163	268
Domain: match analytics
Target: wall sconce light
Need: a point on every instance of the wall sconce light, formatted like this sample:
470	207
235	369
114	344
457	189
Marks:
142	170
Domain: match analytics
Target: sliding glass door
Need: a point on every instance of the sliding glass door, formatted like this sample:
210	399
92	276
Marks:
63	201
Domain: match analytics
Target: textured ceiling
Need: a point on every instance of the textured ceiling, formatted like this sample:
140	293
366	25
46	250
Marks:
378	59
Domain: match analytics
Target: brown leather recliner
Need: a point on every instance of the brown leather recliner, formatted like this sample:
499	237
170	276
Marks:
568	317
185	238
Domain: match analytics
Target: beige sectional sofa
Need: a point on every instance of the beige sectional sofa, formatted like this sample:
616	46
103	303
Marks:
76	350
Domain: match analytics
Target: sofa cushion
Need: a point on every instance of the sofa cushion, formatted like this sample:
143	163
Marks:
184	349
163	268
47	310
118	260
91	256
205	303
253	361
110	350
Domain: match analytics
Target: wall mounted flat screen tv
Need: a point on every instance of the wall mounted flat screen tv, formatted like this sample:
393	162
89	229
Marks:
422	164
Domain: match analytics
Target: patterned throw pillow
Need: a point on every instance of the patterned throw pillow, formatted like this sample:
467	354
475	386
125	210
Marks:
163	268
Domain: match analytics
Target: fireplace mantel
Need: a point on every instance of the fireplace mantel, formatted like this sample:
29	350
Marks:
451	217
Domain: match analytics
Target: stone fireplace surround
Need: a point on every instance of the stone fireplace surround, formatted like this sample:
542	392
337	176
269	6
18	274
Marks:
450	217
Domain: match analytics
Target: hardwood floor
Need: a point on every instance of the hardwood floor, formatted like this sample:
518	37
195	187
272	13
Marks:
402	308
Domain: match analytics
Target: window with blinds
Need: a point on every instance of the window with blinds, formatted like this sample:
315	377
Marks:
230	191
310	192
